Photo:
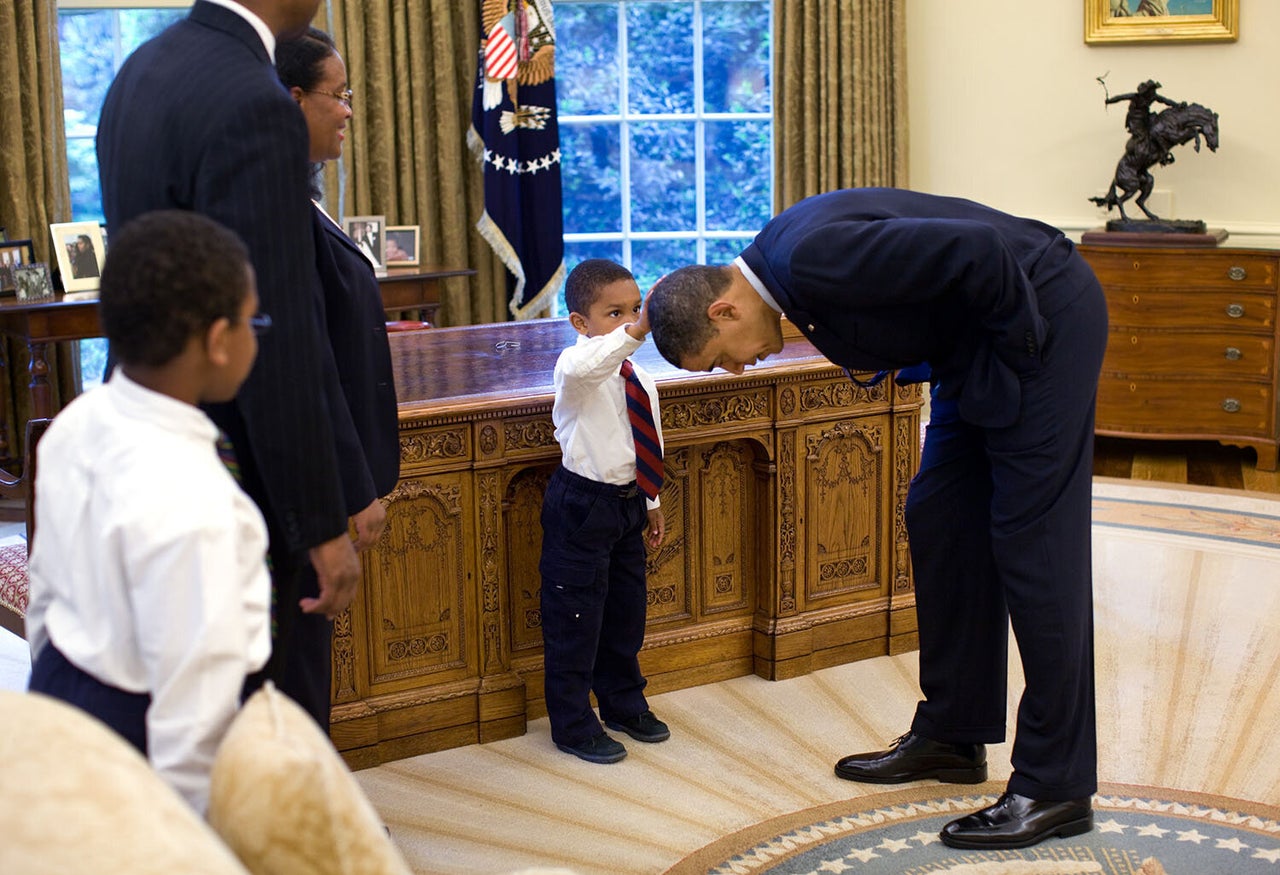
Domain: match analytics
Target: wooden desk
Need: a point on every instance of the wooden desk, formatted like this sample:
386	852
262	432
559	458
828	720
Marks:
75	317
786	547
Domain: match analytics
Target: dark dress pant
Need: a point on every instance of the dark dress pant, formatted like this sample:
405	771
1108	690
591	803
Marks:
999	521
55	675
593	603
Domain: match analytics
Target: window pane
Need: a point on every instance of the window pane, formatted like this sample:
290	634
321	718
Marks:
663	177
86	42
723	251
651	259
139	25
735	57
660	57
82	167
93	360
591	179
587	62
739	184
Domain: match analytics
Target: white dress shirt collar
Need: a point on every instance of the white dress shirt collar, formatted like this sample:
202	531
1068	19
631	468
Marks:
756	283
268	38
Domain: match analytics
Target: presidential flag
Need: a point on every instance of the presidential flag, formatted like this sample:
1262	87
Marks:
514	133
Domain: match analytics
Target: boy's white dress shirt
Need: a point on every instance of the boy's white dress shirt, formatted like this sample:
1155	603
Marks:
590	411
147	568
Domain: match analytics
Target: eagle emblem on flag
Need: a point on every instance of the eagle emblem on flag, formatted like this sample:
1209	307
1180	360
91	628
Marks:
515	135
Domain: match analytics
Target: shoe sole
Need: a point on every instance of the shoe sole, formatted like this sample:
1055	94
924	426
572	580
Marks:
598	759
1063	831
974	775
647	739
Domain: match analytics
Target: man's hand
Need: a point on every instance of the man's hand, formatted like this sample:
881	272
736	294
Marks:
369	524
338	570
656	530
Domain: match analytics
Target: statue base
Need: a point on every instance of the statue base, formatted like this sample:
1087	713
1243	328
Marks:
1165	232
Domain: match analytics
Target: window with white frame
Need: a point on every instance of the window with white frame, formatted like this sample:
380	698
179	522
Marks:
666	127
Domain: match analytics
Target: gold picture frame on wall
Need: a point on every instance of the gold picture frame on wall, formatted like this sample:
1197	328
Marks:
1219	22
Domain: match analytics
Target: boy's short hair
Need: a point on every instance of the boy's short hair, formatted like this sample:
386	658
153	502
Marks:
678	309
587	279
168	276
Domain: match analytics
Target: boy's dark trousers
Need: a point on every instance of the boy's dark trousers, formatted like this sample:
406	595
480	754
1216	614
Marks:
593	603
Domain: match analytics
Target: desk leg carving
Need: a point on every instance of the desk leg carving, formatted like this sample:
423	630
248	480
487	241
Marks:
41	393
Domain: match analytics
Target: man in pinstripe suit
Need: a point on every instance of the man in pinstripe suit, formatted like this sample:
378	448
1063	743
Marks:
197	120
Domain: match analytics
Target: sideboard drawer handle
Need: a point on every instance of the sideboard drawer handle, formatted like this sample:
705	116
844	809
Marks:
1237	273
1231	405
1232	354
1235	311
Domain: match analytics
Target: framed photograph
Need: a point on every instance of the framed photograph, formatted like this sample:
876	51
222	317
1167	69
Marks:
402	245
32	281
12	254
80	249
1124	22
369	233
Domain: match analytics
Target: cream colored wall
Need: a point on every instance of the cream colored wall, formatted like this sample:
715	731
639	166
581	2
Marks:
1004	108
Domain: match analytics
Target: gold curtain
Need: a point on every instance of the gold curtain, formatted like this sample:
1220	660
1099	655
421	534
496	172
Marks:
34	190
412	66
840	89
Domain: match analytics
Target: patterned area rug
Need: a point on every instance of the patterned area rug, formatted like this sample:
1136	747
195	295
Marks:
1137	831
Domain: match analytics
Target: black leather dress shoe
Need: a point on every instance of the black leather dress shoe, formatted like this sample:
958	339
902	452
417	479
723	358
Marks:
913	758
1018	822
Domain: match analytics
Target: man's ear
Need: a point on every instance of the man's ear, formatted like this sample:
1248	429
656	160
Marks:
721	310
216	342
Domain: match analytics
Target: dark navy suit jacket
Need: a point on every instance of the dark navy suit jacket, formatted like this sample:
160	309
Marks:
368	440
197	120
884	278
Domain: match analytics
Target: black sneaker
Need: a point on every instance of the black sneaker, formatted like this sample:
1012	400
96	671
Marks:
644	727
599	749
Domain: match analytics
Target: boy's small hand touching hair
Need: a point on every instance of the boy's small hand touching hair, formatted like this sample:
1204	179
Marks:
640	328
656	530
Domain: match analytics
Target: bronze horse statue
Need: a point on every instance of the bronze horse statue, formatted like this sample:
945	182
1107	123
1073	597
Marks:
1171	127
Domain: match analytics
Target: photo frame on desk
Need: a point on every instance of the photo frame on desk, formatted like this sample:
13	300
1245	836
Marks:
12	254
369	234
402	245
80	249
1196	21
32	281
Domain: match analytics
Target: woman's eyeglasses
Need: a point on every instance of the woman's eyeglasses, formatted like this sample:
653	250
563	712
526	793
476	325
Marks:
343	96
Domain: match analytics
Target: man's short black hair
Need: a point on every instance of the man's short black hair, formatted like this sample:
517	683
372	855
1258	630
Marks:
168	276
585	281
678	309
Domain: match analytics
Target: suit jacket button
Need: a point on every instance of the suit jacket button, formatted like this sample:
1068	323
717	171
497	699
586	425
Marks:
810	326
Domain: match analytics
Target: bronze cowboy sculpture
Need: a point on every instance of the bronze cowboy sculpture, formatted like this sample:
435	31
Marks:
1152	136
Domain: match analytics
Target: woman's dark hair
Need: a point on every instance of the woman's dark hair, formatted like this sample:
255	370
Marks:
298	64
169	275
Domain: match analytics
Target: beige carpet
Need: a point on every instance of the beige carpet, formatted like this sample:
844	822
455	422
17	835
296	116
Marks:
1187	589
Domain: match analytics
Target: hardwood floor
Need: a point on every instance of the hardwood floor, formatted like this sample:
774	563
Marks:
1199	463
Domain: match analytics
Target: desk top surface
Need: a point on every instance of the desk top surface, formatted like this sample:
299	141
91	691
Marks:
514	361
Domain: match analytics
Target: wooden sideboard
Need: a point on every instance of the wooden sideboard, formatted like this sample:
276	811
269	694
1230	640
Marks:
786	547
1193	344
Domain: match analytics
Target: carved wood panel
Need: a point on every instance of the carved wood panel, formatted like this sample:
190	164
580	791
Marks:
730	511
522	531
845	484
420	602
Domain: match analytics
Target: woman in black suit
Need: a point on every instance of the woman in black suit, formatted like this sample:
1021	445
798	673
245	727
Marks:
368	442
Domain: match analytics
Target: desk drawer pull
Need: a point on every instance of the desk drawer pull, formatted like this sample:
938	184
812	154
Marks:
1233	354
1230	405
1235	311
1237	273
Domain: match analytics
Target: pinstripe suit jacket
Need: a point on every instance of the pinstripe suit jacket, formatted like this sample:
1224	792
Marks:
197	120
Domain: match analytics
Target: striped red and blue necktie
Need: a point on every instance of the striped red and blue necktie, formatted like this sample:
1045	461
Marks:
648	449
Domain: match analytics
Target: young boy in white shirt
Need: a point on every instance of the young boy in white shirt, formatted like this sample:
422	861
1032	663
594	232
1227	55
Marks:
600	510
150	599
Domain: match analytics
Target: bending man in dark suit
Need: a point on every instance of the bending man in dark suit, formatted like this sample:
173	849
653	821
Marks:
1014	324
197	120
